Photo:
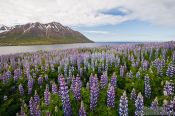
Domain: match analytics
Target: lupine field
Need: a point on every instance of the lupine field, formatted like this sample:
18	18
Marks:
112	80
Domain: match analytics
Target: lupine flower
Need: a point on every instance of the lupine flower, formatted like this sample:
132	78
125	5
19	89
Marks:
30	85
160	72
139	105
103	81
133	94
64	93
93	79
145	65
154	104
138	74
82	111
8	74
73	84
172	105
166	108
168	88
130	74
147	86
171	70
21	89
54	88
123	106
47	95
31	106
40	80
94	93
37	111
113	80
111	96
36	97
76	87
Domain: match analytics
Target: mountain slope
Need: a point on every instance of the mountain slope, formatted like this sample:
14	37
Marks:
37	33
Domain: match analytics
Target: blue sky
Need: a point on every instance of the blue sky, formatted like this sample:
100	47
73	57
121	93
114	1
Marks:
129	31
99	20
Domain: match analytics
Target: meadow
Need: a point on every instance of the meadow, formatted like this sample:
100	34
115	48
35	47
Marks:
123	79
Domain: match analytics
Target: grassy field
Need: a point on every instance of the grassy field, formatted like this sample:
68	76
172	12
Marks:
41	41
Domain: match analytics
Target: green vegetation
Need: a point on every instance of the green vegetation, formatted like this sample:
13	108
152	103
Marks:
41	41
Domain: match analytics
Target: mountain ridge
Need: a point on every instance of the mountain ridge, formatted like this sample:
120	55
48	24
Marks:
38	33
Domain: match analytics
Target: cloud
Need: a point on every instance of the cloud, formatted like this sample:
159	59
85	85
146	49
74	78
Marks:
87	12
96	32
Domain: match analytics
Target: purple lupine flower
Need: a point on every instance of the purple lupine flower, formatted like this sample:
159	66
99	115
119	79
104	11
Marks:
17	74
113	81
93	79
77	89
139	105
30	85
32	106
54	88
111	96
37	111
8	74
15	77
64	93
36	97
130	74
172	105
160	72
82	111
145	65
72	87
94	93
154	104
166	108
121	71
123	106
47	95
40	80
65	70
171	70
21	89
81	72
168	88
147	86
103	81
133	94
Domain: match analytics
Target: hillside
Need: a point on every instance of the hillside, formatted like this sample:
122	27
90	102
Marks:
37	33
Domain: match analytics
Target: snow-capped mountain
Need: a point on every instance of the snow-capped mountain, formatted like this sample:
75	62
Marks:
51	31
4	28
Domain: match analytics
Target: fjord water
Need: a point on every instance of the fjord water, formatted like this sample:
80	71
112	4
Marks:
4	50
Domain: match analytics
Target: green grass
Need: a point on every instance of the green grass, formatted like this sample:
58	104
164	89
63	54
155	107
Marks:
41	41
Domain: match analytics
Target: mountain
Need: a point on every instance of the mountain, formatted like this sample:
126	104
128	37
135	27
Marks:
38	33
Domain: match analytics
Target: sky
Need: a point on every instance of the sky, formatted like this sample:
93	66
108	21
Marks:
99	20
